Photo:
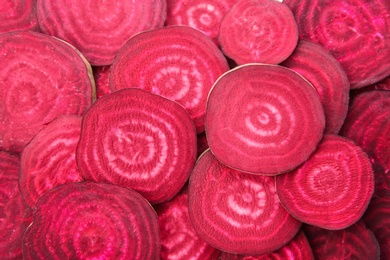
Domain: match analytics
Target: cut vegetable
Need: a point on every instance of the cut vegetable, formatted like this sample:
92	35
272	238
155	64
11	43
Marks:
18	15
100	74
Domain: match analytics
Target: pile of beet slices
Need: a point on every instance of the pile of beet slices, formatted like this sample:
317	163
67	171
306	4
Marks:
206	129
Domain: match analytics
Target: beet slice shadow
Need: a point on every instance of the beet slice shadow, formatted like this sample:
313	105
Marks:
100	74
18	15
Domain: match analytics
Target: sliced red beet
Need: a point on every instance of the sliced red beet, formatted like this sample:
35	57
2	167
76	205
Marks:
177	62
263	119
18	15
325	73
50	158
41	78
99	28
258	31
100	74
332	189
92	221
139	140
359	38
237	212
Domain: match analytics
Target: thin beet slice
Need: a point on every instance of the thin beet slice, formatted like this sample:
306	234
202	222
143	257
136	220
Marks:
237	212
332	189
359	38
99	28
41	78
50	158
258	31
263	119
18	15
92	221
325	73
139	140
100	74
177	62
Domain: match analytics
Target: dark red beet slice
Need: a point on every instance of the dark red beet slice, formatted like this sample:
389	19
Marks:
177	62
100	74
356	242
50	158
202	143
325	73
99	29
92	221
139	140
332	189
15	216
258	31
178	238
237	212
263	119
41	78
359	38
18	15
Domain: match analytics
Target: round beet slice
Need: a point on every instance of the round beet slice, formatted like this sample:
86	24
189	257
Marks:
92	221
100	74
99	28
18	15
263	119
237	212
258	31
41	78
332	189
139	140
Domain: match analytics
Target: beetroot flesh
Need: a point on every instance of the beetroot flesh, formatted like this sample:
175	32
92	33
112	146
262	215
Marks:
257	124
92	221
237	212
100	74
18	15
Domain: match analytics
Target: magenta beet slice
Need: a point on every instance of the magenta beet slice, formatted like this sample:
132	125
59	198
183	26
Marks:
99	28
139	140
92	221
50	158
258	31
177	62
100	74
41	78
15	216
325	73
332	189
237	212
359	38
18	15
263	119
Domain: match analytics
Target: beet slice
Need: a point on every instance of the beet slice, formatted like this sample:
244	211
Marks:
18	15
99	29
258	31
15	216
332	189
92	221
177	62
325	73
50	158
359	38
263	119
139	140
41	78
237	212
100	74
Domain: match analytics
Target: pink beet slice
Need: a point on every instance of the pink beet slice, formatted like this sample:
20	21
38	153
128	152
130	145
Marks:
139	140
237	212
15	216
49	159
332	189
359	38
100	74
325	73
258	31
263	119
18	15
177	62
41	78
92	221
99	28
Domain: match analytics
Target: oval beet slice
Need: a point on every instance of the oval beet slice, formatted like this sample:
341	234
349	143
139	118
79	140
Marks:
325	73
99	28
263	119
18	15
332	189
100	74
237	212
41	78
50	158
139	140
258	31
92	221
